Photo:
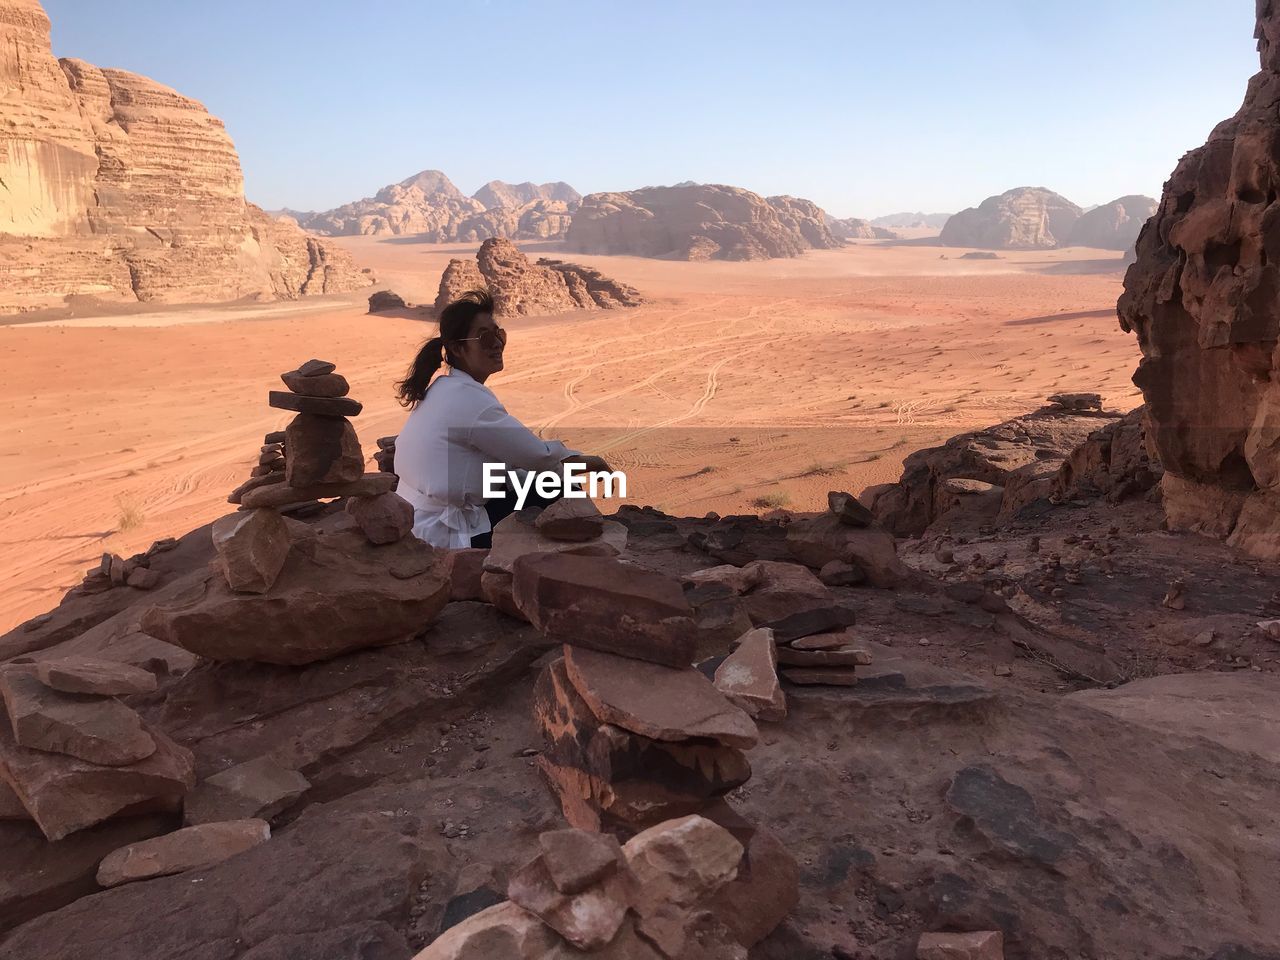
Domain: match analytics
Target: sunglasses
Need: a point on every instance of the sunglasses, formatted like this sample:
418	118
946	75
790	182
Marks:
489	339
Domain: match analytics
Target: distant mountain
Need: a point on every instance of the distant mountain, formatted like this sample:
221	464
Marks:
298	215
1025	218
1114	225
496	193
698	222
853	228
933	221
428	205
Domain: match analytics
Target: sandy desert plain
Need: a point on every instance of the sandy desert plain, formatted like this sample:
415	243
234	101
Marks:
739	387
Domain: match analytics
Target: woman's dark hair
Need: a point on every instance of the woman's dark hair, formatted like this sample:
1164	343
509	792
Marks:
455	324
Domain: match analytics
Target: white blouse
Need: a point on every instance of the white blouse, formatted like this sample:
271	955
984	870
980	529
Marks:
442	449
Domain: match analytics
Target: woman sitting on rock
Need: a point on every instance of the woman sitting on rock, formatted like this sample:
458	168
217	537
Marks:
456	425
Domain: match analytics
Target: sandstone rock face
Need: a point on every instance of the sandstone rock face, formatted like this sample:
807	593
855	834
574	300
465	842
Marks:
105	678
1201	298
192	848
119	187
698	222
537	220
1025	218
335	593
521	288
854	228
1021	457
1112	226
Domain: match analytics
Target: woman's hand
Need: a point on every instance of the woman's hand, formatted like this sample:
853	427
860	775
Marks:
593	464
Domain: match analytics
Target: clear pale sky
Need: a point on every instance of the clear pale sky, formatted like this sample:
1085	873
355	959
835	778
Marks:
865	107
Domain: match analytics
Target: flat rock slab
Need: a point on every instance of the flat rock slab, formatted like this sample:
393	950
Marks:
517	535
106	678
281	494
663	703
65	794
749	677
316	368
97	729
319	385
839	657
575	519
259	788
336	593
191	848
606	605
320	406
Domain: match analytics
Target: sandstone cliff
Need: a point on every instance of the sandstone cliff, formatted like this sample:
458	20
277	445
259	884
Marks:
119	187
426	204
1019	219
698	222
855	228
1202	299
521	288
1112	226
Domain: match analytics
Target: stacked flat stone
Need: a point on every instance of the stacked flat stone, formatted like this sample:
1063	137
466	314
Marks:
385	458
73	755
112	570
321	452
269	469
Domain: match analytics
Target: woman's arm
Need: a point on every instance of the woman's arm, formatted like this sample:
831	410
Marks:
504	439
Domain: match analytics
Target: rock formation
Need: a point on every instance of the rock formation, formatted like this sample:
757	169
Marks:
1025	218
429	206
996	471
496	193
1201	298
121	188
426	205
1112	226
521	288
698	222
932	221
852	228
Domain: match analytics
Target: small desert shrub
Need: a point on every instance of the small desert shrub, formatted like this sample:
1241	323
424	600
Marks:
771	501
130	516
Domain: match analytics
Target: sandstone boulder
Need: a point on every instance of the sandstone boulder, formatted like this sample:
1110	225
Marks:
606	605
252	549
105	678
521	288
576	859
97	729
385	518
191	848
589	919
321	449
681	863
335	593
465	568
383	301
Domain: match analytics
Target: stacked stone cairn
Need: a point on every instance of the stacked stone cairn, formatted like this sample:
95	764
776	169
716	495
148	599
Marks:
663	895
73	755
115	571
636	736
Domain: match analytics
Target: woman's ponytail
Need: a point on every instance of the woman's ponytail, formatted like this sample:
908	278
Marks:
413	387
455	322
